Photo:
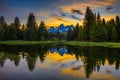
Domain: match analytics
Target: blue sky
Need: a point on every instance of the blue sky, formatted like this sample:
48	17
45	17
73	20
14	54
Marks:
55	12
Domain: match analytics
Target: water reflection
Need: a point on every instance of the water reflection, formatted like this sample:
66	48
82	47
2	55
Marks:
94	57
88	59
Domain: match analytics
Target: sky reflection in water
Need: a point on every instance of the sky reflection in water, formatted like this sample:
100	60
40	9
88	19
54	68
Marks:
40	62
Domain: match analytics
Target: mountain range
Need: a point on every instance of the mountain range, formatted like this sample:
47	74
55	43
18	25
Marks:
61	28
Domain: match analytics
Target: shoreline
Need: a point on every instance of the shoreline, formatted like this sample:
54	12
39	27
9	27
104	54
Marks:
72	43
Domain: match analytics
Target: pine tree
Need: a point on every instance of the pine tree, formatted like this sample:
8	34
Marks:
114	36
3	25
42	31
118	26
103	31
76	31
112	32
2	22
69	35
94	30
98	19
80	35
17	28
88	23
22	32
31	33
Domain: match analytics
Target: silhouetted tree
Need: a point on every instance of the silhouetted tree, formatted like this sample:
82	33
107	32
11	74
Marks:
2	26
76	31
41	31
118	26
112	32
80	36
103	31
31	33
88	23
2	22
17	28
69	35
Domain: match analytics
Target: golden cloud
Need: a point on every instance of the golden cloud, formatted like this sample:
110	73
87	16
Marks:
102	3
55	22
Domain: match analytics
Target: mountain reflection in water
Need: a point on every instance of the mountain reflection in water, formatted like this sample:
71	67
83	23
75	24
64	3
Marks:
51	62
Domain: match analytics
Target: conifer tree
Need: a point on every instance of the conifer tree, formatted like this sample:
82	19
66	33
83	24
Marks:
31	33
42	31
17	28
80	35
118	26
88	23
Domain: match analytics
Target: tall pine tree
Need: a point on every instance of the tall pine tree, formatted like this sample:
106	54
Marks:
88	23
31	33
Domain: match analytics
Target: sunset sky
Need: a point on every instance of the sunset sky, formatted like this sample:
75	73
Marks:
55	12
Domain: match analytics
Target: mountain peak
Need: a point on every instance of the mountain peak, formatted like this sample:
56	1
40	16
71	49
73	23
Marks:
61	28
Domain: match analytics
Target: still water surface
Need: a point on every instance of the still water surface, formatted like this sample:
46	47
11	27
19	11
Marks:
45	62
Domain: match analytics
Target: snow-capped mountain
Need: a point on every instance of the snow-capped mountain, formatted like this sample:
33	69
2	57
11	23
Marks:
61	28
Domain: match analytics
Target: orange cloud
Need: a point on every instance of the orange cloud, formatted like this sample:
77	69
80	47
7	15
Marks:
102	3
55	22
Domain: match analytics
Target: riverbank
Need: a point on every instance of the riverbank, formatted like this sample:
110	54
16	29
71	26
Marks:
73	43
102	44
25	42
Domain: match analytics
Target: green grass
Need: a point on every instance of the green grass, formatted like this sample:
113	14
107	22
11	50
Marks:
25	42
74	43
102	44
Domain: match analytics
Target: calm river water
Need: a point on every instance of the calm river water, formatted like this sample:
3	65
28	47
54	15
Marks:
59	62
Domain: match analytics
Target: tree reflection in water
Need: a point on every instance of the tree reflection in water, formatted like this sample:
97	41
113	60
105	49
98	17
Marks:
92	57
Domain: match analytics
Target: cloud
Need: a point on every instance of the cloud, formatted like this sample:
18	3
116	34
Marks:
93	4
60	15
108	8
102	2
74	17
67	15
78	7
76	11
63	14
60	19
3	6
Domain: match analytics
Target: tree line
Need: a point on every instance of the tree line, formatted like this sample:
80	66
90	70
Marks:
93	29
16	31
96	29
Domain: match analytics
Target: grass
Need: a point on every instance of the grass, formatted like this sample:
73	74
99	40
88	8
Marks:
25	42
74	43
103	44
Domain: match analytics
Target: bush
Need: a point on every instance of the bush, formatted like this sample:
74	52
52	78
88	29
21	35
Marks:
54	39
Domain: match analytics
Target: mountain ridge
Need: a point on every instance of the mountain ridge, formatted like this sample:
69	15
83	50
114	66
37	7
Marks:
61	28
